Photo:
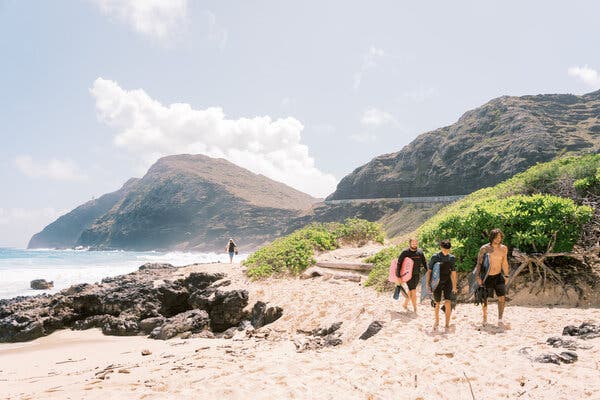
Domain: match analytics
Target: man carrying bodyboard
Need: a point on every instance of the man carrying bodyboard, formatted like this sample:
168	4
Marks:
410	273
447	284
498	272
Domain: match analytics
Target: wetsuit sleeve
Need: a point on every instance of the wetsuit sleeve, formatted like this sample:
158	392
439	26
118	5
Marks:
453	264
423	260
400	260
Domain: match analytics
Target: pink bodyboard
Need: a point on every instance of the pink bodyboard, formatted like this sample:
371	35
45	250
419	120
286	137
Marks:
406	269
393	265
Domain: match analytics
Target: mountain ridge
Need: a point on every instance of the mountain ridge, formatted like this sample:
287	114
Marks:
188	202
485	146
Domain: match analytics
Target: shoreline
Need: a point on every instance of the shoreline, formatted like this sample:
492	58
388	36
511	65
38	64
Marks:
404	360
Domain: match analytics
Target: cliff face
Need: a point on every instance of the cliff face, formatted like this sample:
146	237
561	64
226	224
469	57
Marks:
485	146
194	202
66	230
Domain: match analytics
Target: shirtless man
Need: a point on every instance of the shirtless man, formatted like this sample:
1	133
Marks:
498	275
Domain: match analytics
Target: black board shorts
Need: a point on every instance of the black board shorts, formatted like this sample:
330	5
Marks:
446	289
414	281
495	283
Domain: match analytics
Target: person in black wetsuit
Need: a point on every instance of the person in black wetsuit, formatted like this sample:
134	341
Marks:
419	261
447	285
231	248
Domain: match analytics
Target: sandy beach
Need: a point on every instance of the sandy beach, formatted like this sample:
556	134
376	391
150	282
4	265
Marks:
405	360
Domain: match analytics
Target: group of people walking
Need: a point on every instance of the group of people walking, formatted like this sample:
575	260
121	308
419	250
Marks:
494	282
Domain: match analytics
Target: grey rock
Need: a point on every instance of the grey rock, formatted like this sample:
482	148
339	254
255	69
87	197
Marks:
192	320
147	325
374	328
41	284
263	315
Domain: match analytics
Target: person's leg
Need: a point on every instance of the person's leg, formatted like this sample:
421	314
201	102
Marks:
489	286
413	298
484	309
448	304
501	293
405	305
437	298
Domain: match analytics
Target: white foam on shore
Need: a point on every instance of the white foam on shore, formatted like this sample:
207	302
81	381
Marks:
69	267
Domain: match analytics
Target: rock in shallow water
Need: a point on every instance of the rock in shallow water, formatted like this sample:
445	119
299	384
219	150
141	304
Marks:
41	284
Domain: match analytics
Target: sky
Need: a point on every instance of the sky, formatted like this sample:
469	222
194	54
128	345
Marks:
92	92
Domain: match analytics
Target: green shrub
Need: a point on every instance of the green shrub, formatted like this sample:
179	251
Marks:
294	253
381	266
528	222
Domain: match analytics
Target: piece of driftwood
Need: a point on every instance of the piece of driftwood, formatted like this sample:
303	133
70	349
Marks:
345	265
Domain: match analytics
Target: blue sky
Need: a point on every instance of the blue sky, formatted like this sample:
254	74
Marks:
94	91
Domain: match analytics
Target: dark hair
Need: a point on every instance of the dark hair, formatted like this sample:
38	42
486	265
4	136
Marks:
495	232
445	244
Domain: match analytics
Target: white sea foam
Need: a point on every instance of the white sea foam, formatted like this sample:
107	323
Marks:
68	267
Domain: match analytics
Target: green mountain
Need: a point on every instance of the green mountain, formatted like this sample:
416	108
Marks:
186	202
485	146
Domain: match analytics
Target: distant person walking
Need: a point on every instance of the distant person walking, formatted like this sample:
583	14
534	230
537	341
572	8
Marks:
419	261
231	248
498	272
447	283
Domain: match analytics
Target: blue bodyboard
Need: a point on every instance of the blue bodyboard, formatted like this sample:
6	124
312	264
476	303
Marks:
435	280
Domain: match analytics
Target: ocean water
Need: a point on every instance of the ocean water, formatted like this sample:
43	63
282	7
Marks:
68	267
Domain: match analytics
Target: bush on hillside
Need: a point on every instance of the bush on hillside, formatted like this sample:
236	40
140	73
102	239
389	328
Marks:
529	223
381	266
294	253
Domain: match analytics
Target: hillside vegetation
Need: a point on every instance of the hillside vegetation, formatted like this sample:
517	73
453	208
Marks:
292	254
541	207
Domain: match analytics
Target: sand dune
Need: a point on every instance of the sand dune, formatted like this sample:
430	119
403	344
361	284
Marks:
406	359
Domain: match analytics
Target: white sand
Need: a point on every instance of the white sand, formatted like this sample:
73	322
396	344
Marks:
405	360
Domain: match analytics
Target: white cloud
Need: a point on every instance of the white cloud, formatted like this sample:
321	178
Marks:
587	75
216	33
149	129
154	18
58	170
374	117
364	137
370	59
17	225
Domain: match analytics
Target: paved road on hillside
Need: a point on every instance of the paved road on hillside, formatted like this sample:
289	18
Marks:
431	199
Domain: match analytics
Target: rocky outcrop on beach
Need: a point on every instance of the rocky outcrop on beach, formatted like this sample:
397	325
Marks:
484	147
41	284
145	302
184	202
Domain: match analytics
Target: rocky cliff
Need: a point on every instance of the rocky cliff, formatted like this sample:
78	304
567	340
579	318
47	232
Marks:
485	146
66	230
194	202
